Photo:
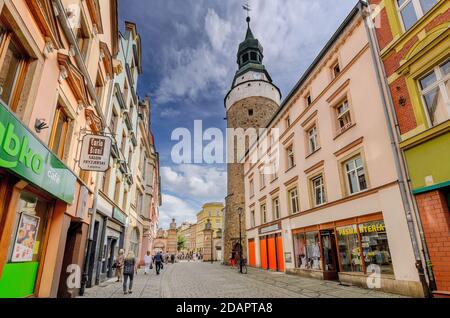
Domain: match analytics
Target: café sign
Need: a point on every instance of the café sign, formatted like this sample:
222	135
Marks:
95	153
22	153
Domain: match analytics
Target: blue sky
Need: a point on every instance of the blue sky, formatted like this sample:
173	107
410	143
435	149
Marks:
189	60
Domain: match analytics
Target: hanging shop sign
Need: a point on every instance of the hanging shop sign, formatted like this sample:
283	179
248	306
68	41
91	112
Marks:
25	241
22	153
95	153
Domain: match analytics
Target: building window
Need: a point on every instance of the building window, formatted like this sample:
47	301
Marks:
59	133
349	249
125	199
124	142
336	70
117	191
293	201
113	123
290	157
254	56
412	10
252	218
262	179
263	214
344	119
276	208
134	242
274	168
318	190
313	141
308	99
435	90
13	66
288	122
307	251
82	36
375	247
356	177
252	188
130	158
250	112
139	200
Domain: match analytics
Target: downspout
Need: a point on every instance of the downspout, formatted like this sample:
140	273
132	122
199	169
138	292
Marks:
60	13
388	108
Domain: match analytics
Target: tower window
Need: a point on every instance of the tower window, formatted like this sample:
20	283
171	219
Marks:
245	58
253	56
250	112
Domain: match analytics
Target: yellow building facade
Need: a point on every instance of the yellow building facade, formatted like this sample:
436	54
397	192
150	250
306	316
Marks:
213	212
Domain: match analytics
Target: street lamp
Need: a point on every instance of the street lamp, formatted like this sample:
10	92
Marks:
239	211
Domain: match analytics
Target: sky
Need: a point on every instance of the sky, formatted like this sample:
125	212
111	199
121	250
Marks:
189	52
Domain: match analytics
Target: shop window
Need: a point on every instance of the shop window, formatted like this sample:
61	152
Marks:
313	255
313	140
59	134
375	247
290	157
293	201
300	251
411	11
343	117
435	91
13	66
263	214
355	175
276	208
349	249
252	218
318	190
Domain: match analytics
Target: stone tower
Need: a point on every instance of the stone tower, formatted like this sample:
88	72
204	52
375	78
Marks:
251	102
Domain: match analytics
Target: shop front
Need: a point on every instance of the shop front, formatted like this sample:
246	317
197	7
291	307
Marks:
336	250
271	248
35	190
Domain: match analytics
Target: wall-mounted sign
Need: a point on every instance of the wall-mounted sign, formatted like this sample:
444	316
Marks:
119	216
95	153
288	257
269	229
22	153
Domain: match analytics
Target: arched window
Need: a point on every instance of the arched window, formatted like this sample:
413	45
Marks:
134	242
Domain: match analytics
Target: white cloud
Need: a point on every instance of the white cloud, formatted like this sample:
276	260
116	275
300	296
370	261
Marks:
202	183
175	207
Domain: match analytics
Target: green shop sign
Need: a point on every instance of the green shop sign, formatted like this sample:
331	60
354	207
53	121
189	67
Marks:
22	153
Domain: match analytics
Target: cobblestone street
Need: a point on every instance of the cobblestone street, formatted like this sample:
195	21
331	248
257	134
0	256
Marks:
199	280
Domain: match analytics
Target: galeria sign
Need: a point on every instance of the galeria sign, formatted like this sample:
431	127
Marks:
22	153
95	153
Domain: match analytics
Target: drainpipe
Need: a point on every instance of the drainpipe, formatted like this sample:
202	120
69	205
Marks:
389	109
60	13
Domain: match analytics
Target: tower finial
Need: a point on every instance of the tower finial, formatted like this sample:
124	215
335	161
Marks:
247	8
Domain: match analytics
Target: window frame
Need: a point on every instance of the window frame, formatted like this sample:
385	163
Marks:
439	83
356	169
61	149
314	137
276	211
418	10
314	188
290	153
263	213
290	199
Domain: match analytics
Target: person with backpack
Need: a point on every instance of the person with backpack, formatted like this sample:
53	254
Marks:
129	269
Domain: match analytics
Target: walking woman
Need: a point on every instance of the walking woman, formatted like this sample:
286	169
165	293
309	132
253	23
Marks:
119	265
129	269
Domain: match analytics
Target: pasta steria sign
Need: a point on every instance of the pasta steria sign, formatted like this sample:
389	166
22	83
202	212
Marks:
95	153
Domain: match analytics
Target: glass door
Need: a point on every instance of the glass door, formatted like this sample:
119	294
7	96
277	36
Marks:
329	252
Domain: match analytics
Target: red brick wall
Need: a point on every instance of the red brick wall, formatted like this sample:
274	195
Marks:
384	34
435	216
405	112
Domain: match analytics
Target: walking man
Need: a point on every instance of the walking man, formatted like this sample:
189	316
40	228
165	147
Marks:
158	260
129	269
